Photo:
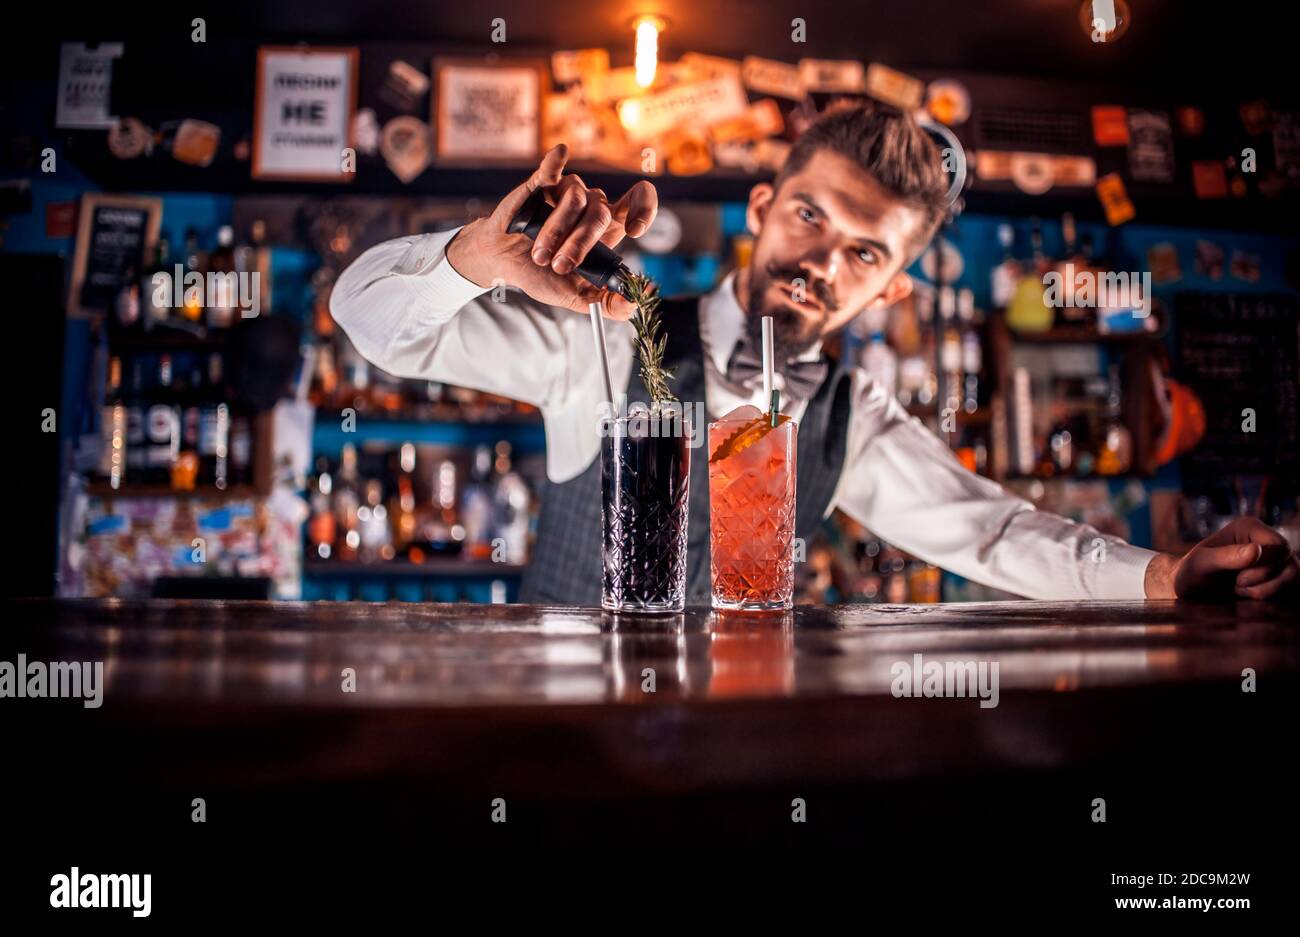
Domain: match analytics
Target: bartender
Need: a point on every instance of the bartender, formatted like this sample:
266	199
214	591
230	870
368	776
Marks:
859	198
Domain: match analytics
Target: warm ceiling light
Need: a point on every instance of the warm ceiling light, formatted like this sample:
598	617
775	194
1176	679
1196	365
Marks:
647	29
1104	20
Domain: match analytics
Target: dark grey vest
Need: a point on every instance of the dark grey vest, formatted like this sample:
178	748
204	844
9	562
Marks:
565	567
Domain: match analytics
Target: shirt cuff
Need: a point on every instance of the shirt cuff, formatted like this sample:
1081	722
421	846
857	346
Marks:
435	281
1123	575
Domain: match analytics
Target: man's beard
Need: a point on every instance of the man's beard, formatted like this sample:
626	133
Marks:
793	333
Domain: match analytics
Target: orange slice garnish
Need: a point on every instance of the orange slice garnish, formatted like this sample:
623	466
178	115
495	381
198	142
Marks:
747	435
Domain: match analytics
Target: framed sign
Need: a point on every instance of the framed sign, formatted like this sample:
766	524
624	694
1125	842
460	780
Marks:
488	112
115	234
302	116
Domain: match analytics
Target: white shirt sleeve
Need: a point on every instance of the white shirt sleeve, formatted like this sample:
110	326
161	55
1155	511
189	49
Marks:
407	310
907	487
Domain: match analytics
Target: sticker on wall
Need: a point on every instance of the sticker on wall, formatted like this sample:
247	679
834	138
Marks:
1244	266
405	147
129	138
948	101
1255	117
1150	146
1110	126
85	83
1032	173
404	87
1190	121
1286	144
894	87
1162	260
1114	199
365	131
768	76
1209	260
1209	179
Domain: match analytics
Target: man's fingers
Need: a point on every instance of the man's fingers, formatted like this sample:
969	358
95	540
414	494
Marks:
595	219
1283	580
547	173
636	210
581	294
1237	556
571	202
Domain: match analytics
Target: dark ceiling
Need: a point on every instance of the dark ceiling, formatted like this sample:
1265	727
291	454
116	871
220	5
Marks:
1208	46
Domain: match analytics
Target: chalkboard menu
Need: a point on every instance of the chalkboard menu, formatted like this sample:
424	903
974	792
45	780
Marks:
114	236
1239	354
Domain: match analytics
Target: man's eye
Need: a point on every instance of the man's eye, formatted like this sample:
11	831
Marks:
807	215
867	256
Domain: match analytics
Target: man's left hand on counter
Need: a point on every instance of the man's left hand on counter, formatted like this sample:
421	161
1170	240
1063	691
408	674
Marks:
1246	559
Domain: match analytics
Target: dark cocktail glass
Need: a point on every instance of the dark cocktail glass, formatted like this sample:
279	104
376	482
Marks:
645	477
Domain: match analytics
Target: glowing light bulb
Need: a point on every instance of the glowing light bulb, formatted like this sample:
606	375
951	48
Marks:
1104	20
647	49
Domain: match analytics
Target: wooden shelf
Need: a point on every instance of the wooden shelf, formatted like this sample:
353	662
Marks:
167	339
104	490
445	567
1081	335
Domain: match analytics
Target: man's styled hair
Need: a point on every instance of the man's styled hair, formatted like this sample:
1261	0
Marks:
893	148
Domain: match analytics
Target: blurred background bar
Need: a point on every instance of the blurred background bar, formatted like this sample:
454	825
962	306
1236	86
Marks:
204	451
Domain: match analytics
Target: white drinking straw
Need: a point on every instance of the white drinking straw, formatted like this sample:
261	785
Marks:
598	333
767	360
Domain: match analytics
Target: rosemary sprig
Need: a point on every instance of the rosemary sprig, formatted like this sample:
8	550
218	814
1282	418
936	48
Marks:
649	344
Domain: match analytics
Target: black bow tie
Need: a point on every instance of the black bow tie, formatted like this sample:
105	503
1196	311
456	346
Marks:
802	378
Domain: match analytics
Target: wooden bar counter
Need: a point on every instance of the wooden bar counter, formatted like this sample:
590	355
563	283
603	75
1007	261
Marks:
420	717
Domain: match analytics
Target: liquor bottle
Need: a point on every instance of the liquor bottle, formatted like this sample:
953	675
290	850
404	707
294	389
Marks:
133	398
321	525
190	398
949	350
879	360
253	258
162	428
241	449
1072	263
441	532
195	262
972	362
214	431
372	523
1116	455
1028	310
1006	274
113	428
157	289
325	377
476	507
512	501
347	499
225	297
402	505
127	305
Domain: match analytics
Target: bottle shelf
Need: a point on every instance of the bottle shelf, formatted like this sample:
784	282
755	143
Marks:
329	436
438	566
105	490
1081	335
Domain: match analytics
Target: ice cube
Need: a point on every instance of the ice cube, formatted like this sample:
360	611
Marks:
744	412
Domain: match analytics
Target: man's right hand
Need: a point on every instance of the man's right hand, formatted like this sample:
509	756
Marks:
483	251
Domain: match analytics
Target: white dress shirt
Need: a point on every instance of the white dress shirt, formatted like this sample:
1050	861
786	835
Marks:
407	310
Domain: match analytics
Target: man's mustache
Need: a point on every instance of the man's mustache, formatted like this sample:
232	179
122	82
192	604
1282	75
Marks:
820	289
